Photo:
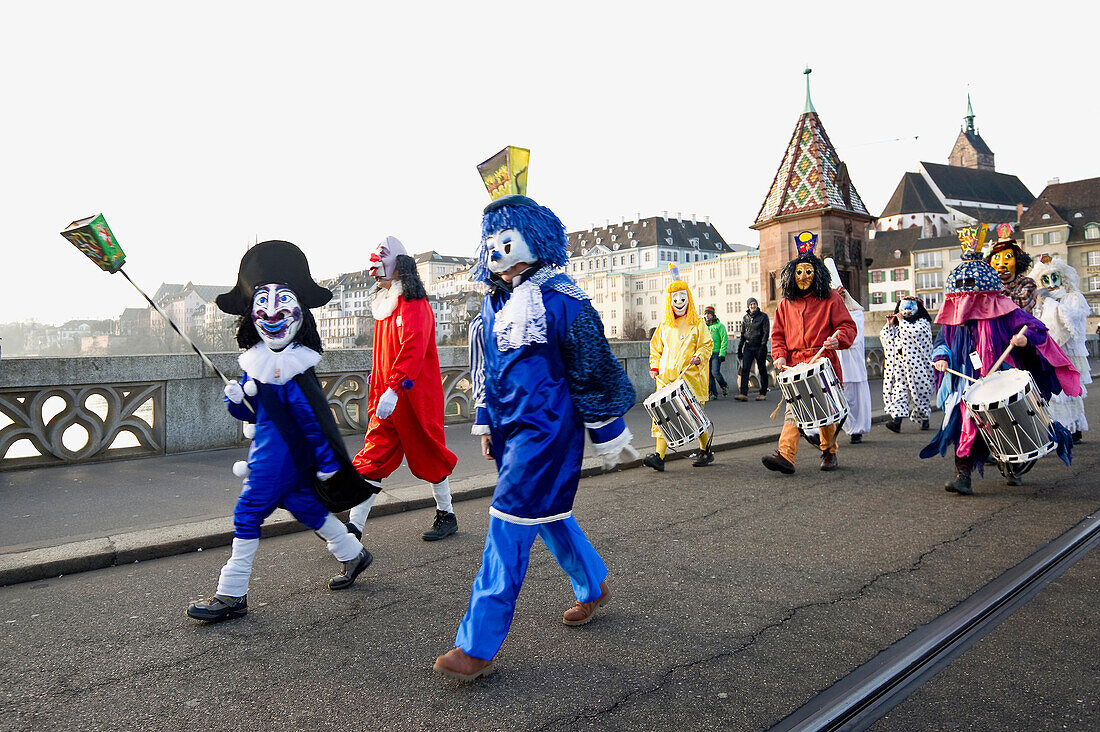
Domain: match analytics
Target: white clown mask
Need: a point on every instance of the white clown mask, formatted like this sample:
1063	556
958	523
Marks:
383	258
679	302
276	315
507	248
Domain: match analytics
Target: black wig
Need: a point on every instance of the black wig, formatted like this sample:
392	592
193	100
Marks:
922	312
411	286
307	335
820	285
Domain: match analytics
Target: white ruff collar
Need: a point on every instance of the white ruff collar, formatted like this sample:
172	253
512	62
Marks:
522	320
271	367
384	302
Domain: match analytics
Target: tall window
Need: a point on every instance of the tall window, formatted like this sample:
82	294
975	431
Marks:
929	281
899	275
1093	258
929	260
878	275
1094	284
1092	231
932	300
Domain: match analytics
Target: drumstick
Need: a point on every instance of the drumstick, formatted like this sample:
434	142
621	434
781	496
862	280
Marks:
1007	350
957	373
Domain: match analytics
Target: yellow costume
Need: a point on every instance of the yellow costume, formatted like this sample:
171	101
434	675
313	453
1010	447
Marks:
675	342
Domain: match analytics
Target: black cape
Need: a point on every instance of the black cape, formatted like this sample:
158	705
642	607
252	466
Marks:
345	489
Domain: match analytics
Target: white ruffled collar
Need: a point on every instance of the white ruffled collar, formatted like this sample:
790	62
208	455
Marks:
522	320
384	301
277	367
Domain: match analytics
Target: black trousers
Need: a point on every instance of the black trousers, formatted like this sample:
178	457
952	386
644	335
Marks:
759	355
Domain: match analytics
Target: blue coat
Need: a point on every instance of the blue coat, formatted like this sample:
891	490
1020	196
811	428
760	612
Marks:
539	398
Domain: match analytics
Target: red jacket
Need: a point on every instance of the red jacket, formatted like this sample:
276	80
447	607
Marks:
801	327
404	348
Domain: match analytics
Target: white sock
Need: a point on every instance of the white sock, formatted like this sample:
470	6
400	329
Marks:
358	515
233	581
343	545
442	491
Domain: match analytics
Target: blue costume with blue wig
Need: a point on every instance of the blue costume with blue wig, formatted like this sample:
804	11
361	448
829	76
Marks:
543	372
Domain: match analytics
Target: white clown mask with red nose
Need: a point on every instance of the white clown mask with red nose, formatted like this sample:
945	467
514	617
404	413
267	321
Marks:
383	260
276	315
679	302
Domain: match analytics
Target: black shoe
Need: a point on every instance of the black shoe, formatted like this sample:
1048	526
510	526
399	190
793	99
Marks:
703	459
924	426
1013	479
855	439
828	461
725	391
894	425
353	530
960	485
776	461
1077	437
352	569
654	461
218	608
444	525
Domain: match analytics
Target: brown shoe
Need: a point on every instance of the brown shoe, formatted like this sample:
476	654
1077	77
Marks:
741	398
828	460
457	664
775	461
582	612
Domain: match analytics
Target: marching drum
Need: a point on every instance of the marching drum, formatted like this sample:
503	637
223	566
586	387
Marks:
1011	416
814	394
677	413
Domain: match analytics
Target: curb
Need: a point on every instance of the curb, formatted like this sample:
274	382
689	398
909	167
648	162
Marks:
146	544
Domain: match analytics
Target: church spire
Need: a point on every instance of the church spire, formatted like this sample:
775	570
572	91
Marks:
809	108
969	115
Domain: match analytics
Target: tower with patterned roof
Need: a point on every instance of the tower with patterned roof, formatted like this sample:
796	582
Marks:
812	191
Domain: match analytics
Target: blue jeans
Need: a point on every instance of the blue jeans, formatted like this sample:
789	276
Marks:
716	378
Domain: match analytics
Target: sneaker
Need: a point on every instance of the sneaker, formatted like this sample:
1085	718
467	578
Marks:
353	530
828	460
742	397
894	425
218	608
855	439
444	525
703	459
725	391
582	612
655	461
776	461
457	664
351	570
712	397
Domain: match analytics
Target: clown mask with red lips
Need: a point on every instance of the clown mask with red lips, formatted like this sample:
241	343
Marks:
276	315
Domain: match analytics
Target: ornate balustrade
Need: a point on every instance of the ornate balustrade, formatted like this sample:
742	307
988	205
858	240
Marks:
56	411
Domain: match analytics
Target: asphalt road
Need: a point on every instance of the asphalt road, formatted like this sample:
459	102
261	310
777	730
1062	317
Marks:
738	595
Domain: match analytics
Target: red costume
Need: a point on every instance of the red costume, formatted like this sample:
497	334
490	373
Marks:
406	360
802	325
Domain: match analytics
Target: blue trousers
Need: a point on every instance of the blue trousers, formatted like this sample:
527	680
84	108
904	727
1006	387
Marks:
503	566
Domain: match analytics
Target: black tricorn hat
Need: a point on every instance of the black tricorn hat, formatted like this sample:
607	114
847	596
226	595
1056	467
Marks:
273	262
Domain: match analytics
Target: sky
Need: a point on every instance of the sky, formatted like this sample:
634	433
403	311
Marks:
197	128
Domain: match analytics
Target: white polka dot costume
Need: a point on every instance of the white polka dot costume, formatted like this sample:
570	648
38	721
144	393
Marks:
907	383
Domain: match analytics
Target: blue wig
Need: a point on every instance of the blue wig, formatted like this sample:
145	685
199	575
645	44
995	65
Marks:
541	229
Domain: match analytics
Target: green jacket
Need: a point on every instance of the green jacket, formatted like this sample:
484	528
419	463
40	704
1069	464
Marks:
718	335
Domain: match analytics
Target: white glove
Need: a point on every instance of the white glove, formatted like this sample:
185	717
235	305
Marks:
323	476
611	459
387	403
234	392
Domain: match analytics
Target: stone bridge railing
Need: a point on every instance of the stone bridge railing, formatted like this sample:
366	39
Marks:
57	411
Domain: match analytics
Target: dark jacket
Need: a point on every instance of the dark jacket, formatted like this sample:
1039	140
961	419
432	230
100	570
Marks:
754	330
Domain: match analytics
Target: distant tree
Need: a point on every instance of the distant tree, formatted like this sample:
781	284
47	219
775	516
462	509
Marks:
363	339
